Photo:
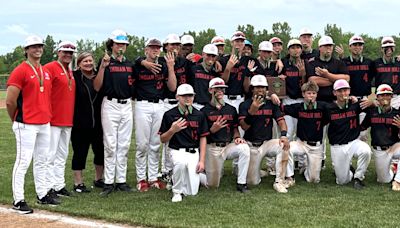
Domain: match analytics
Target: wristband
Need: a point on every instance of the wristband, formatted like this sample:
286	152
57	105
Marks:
283	133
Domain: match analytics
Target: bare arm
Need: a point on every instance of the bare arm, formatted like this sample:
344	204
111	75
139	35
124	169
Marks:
320	81
98	81
203	144
171	84
11	100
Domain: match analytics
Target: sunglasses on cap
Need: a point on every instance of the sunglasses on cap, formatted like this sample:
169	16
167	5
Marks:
386	90
358	39
68	46
218	41
121	38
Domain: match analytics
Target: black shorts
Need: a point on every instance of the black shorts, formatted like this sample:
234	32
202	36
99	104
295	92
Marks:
82	139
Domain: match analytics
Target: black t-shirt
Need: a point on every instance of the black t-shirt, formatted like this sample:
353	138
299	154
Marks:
149	85
311	122
360	76
267	71
119	79
334	66
309	55
190	136
260	124
237	74
200	79
383	133
387	73
293	79
344	124
182	67
228	112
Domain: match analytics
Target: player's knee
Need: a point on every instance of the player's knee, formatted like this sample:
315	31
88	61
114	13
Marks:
245	150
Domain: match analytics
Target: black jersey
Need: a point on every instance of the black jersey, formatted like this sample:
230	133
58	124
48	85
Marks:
261	123
150	86
267	69
383	133
200	79
237	75
361	75
334	66
189	137
293	79
182	67
119	79
344	124
311	122
314	53
229	113
387	73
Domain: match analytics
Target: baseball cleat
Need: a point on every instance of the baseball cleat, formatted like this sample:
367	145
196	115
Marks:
22	207
279	187
53	194
63	192
157	184
98	183
176	198
143	186
358	184
243	188
81	188
108	188
395	186
289	182
47	199
123	187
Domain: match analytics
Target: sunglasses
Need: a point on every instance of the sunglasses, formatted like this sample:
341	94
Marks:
121	38
69	46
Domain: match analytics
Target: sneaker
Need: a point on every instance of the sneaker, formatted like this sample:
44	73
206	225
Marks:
263	173
63	192
22	207
157	184
271	171
53	194
47	199
176	198
108	188
123	187
289	182
143	186
81	188
98	183
358	184
243	188
279	187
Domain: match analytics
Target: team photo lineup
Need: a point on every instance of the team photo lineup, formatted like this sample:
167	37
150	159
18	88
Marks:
270	114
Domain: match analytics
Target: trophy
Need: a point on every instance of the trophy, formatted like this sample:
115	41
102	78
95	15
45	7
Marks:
276	86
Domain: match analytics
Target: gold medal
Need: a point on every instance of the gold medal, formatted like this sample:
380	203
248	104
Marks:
41	89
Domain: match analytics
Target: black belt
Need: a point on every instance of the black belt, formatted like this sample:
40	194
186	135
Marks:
221	144
381	147
172	101
256	144
313	143
189	150
121	101
150	100
233	97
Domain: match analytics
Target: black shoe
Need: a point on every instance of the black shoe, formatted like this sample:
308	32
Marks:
242	188
22	207
47	199
98	183
358	184
53	194
63	192
352	169
81	188
123	187
323	164
108	188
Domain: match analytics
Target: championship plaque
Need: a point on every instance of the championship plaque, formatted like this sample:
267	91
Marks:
276	85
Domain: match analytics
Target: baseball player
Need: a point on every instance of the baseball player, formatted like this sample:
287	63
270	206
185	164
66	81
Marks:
62	104
186	51
277	47
219	41
248	48
310	115
306	39
185	128
387	69
384	122
28	105
255	115
343	133
202	73
149	108
223	125
116	78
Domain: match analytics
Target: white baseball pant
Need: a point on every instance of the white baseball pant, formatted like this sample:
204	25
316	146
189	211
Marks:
184	178
216	156
395	102
166	161
341	158
314	158
197	106
291	122
383	160
58	154
117	124
32	141
234	102
148	117
270	148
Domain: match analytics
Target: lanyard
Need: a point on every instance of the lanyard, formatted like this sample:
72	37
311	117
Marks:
41	87
66	75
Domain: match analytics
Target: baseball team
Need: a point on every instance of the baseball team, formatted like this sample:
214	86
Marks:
191	112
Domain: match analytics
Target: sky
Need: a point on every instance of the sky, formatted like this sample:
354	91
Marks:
95	20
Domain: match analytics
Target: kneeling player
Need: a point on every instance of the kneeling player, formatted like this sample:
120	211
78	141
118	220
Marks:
185	128
256	115
384	122
222	120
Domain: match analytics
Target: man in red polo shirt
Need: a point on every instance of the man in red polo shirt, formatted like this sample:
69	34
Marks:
62	104
28	105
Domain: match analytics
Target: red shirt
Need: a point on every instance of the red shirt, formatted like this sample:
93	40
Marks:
33	106
62	95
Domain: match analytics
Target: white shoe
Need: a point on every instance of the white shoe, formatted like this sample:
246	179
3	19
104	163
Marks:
263	173
177	197
290	182
279	187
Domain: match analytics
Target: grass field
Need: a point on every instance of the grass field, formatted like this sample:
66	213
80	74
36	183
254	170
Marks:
306	205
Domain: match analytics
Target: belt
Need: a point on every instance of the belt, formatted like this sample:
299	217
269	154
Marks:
234	97
256	144
120	101
220	144
150	100
381	147
172	101
191	150
313	143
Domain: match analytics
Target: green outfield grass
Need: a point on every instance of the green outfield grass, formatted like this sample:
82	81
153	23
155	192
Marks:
2	94
306	205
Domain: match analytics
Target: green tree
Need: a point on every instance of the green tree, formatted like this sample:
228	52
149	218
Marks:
48	50
86	45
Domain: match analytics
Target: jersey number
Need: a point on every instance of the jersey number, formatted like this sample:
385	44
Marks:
353	123
267	122
159	85
395	79
365	77
318	123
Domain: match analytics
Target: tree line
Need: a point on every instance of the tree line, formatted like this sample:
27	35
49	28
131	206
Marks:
282	30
